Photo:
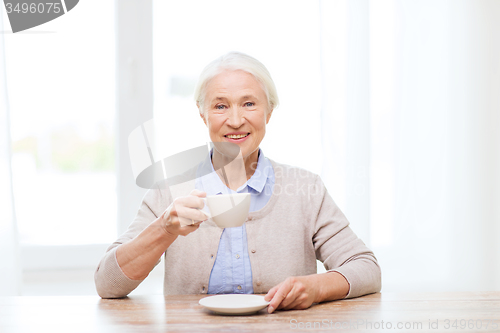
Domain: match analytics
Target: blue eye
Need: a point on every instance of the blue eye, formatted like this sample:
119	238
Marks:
249	104
219	107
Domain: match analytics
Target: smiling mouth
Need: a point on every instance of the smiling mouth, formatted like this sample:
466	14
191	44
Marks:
239	136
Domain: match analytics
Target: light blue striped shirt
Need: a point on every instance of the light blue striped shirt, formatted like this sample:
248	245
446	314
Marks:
232	273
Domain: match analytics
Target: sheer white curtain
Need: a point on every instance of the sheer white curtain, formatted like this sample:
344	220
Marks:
10	273
345	108
415	155
435	143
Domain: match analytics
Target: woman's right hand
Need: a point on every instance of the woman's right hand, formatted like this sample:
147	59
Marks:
184	216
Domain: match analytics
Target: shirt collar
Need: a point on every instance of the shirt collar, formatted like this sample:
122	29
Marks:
213	185
259	178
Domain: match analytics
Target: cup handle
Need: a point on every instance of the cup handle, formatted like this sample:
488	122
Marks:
206	211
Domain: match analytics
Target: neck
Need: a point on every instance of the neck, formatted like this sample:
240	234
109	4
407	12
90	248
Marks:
236	172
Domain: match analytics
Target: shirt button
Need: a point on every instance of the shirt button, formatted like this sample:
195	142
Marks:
253	251
259	283
237	256
203	288
239	287
211	256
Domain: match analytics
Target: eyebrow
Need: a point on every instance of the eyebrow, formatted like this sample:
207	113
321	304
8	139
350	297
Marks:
241	98
248	97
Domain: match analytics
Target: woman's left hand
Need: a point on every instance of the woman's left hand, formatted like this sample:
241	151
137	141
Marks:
300	292
296	292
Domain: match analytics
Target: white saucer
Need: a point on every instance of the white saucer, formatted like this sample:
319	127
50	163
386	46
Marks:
234	304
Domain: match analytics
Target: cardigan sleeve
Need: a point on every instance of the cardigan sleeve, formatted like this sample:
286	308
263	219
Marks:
110	281
340	250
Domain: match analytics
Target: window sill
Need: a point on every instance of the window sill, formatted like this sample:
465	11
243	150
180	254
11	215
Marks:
45	257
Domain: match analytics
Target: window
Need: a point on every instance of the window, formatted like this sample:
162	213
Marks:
186	40
62	104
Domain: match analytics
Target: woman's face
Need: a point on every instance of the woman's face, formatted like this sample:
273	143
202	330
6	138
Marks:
236	110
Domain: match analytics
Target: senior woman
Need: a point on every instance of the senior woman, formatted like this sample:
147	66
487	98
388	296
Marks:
292	221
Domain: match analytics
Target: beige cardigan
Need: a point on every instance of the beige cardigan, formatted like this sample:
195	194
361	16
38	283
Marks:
299	224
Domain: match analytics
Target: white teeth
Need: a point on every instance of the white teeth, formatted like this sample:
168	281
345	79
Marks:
236	136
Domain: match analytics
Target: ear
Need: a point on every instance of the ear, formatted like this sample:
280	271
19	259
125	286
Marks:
202	116
268	116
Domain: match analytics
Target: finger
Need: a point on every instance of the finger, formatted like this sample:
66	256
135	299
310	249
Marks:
290	298
280	295
177	222
302	295
271	292
187	222
190	201
186	230
193	215
198	193
297	300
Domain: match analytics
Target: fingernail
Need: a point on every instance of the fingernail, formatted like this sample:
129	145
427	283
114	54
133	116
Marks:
270	309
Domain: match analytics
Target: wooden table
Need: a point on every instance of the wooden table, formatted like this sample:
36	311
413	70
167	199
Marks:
425	312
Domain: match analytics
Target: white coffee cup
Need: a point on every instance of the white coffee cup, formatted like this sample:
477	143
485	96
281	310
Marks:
228	210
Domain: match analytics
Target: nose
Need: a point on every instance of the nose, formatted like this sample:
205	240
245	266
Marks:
235	118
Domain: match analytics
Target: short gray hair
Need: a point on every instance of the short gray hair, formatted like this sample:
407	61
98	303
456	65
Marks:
237	61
